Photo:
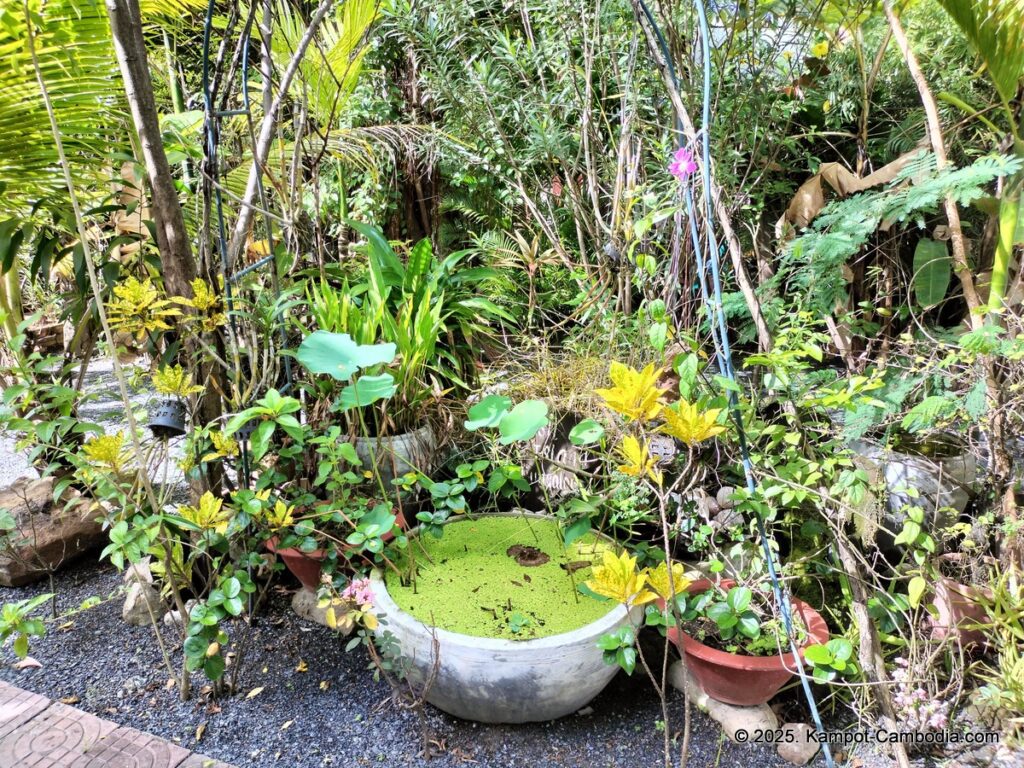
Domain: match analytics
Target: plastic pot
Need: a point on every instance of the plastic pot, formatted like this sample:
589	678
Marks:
738	679
168	420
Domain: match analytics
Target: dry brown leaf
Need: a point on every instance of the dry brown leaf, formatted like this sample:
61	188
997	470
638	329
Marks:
254	693
27	663
325	684
69	700
302	666
200	731
66	626
287	725
810	197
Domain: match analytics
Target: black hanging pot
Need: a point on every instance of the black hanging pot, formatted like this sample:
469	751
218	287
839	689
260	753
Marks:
168	420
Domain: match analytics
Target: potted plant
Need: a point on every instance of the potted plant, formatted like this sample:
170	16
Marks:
430	310
733	640
325	510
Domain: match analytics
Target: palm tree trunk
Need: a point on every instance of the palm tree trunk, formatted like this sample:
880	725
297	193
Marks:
178	265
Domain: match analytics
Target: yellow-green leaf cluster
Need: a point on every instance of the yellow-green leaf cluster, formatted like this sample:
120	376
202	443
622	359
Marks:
687	423
174	381
209	515
139	308
107	451
638	460
618	578
634	394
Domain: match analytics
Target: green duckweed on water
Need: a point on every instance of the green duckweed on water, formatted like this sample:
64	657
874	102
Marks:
471	584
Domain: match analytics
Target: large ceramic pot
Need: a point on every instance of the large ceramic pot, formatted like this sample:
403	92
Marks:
394	455
942	486
744	680
306	566
502	681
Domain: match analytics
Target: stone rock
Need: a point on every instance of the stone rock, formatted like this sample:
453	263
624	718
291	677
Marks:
47	534
731	717
799	748
141	600
727	518
173	619
724	497
138	573
306	604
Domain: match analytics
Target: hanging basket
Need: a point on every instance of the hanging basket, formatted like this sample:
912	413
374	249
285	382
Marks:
168	420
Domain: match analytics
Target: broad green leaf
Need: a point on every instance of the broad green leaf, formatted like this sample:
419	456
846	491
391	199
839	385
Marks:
366	391
915	590
338	356
577	530
587	432
523	422
932	271
487	413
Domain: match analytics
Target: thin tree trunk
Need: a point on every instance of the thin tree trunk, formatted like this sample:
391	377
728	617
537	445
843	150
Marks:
178	266
262	149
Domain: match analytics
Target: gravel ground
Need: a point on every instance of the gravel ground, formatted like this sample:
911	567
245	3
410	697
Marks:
115	671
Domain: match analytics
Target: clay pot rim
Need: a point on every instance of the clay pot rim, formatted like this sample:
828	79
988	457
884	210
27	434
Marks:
321	554
817	632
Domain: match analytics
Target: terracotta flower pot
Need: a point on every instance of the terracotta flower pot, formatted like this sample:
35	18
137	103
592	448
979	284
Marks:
960	607
744	680
306	566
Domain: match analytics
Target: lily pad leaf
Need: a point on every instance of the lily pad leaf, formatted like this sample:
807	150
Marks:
487	413
523	422
337	355
587	432
366	391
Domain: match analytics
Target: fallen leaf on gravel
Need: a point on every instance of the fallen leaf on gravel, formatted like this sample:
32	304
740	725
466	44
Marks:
254	693
200	731
287	725
302	667
27	663
171	682
66	626
70	700
213	709
325	684
265	669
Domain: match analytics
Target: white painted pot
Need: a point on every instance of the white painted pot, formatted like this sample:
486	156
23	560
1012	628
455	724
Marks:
394	455
943	484
501	681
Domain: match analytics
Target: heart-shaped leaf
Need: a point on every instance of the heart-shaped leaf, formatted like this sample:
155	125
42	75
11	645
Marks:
487	413
523	422
337	355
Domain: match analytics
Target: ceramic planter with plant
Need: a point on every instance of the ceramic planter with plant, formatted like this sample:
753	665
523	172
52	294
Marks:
432	311
327	512
732	640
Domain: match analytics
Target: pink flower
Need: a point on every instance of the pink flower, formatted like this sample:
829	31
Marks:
359	592
683	164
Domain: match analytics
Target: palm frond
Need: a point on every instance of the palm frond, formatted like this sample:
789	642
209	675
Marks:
996	30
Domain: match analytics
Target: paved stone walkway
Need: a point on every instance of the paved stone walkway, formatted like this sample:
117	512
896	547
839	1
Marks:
38	733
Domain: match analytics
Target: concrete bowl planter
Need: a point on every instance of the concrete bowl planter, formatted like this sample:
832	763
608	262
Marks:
493	680
738	679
